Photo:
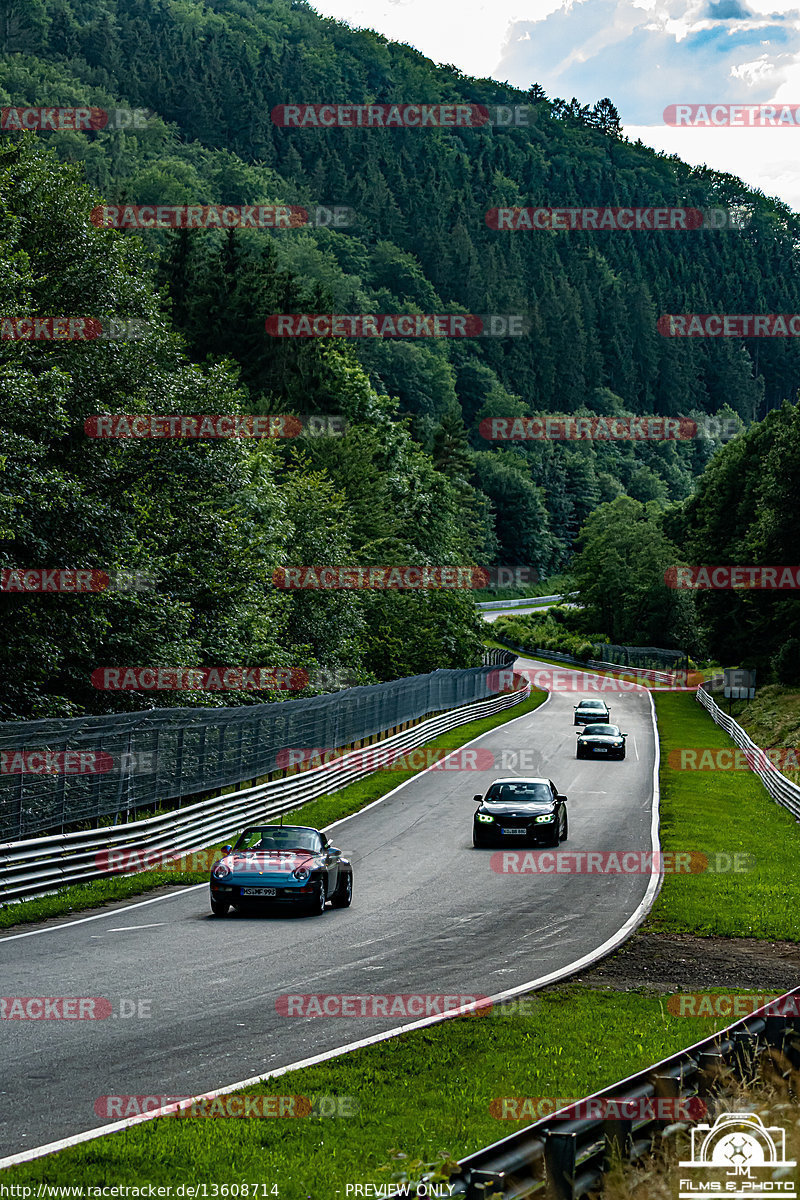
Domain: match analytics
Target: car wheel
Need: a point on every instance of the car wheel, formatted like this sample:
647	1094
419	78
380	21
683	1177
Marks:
316	905
343	895
579	753
219	907
476	841
566	828
555	838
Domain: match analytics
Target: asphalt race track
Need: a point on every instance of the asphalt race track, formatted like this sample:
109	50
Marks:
429	915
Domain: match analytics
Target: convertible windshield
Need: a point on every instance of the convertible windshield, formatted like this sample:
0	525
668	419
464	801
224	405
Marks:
519	793
280	837
601	730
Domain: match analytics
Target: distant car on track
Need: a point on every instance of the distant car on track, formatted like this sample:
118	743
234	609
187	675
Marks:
529	810
588	712
274	863
601	741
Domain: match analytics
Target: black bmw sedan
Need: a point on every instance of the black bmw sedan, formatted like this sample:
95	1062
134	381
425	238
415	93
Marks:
531	811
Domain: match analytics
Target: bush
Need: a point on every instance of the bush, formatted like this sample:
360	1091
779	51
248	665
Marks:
786	663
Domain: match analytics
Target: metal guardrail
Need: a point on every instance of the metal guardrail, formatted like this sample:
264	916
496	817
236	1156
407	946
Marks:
593	663
779	787
525	602
39	865
563	1157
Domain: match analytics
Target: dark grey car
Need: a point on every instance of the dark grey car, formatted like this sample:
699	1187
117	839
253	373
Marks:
531	811
590	711
601	741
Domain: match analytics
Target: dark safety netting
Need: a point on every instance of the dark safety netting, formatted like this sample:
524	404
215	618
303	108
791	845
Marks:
56	774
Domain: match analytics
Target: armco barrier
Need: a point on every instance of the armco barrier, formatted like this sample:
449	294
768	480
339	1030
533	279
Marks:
39	865
528	601
592	663
779	787
563	1158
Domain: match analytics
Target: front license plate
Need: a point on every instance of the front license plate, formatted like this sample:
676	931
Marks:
515	830
601	749
258	891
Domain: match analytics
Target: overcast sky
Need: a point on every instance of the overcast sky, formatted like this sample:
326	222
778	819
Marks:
643	54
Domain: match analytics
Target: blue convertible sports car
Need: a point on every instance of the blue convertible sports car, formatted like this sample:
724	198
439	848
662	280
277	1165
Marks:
273	863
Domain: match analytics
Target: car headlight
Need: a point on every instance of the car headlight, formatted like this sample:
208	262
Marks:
301	873
544	820
221	870
485	818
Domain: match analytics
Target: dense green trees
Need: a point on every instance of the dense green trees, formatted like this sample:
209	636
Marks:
413	480
210	521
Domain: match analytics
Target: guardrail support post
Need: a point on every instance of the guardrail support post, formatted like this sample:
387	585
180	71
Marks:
618	1137
745	1049
711	1064
560	1152
484	1183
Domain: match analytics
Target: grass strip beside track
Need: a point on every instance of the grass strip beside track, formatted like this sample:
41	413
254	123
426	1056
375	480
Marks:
318	813
420	1097
725	813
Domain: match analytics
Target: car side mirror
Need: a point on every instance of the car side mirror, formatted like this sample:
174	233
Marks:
334	851
623	735
227	849
559	797
477	799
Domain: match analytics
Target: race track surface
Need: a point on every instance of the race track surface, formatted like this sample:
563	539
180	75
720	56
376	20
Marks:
429	915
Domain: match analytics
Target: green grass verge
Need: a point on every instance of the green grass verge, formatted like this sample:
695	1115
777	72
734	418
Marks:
419	1098
721	812
318	813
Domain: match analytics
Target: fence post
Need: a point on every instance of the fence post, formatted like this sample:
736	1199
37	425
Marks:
560	1153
